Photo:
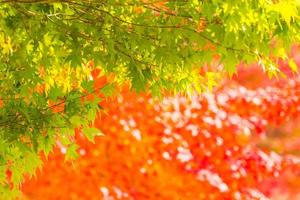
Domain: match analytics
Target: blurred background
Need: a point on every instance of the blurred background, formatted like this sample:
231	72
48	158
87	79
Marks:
240	141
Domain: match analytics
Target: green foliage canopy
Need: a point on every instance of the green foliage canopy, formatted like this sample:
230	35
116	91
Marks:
155	45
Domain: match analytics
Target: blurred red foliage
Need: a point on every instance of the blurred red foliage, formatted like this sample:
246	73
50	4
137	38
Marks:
205	147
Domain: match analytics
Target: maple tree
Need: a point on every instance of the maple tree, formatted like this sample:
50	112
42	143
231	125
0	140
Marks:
48	49
179	148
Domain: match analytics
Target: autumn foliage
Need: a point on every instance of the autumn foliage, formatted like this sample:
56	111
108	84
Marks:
204	147
223	144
